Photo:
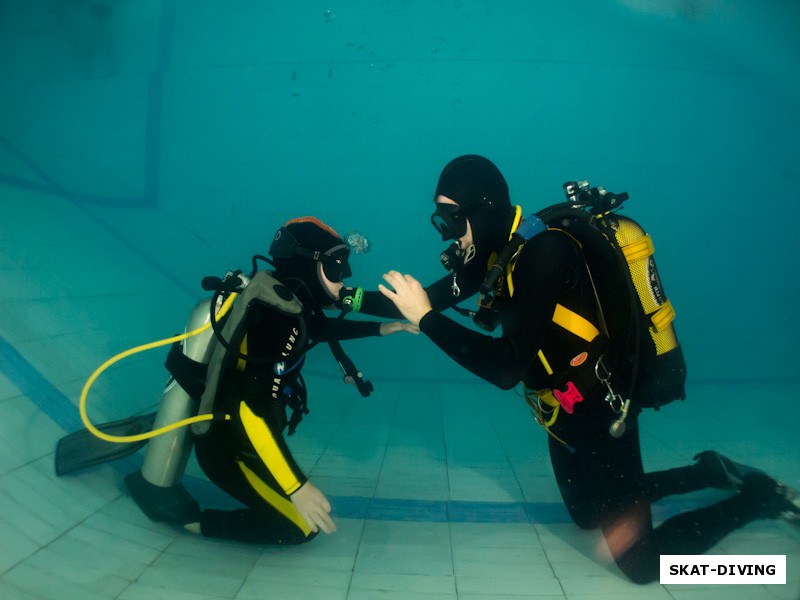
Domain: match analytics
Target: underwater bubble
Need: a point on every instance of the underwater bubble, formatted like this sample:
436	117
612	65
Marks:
358	242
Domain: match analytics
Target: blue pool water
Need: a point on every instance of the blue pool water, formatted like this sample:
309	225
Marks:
145	145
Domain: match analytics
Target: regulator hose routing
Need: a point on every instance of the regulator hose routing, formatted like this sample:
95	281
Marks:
124	439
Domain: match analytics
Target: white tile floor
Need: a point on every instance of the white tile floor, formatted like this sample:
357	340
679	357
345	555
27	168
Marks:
441	490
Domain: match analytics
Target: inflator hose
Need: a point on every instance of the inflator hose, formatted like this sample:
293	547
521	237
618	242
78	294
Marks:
124	439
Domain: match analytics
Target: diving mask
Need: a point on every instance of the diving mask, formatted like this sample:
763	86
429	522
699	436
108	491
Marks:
450	221
335	263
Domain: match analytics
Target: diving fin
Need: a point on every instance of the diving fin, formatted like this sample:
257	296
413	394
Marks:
733	473
83	449
791	514
725	473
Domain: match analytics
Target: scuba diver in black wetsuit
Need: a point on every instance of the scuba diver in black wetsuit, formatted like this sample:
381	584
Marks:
555	341
250	379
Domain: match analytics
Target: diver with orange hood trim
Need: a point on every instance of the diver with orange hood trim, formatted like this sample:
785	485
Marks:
235	388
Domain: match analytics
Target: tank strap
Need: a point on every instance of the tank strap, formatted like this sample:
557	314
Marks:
190	374
662	317
639	249
241	363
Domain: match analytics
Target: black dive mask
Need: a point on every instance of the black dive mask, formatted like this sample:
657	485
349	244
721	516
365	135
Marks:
450	221
335	263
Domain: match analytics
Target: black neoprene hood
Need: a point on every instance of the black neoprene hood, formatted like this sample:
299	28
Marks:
313	235
473	181
479	188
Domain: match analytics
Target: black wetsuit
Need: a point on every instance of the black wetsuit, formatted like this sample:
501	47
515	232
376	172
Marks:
247	456
601	479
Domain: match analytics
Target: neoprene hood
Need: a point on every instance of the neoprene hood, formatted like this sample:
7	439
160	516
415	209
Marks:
481	192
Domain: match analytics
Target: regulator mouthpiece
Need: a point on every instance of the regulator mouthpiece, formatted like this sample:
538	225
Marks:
350	299
454	258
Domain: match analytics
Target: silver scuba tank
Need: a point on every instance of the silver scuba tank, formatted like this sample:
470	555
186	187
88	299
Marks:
156	487
167	455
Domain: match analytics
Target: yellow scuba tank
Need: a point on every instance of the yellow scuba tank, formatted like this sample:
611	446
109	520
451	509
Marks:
643	349
658	369
638	249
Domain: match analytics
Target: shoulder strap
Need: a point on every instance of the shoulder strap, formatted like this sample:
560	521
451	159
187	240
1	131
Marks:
263	287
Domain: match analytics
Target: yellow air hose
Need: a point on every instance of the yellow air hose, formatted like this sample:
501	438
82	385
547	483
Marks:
124	439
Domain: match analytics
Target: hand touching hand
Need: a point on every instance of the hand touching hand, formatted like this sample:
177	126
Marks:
408	296
395	326
314	507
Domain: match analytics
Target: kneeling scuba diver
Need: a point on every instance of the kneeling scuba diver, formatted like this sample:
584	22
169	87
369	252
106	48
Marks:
572	300
614	334
235	373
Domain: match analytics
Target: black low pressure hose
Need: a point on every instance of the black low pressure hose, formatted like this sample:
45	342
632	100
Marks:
498	268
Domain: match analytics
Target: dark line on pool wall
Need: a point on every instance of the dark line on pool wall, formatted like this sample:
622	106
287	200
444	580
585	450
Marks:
155	100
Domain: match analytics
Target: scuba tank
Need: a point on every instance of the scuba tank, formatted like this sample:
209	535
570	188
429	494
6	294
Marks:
156	487
643	345
166	455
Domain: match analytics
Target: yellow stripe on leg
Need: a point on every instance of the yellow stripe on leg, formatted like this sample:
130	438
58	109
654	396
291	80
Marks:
267	448
274	499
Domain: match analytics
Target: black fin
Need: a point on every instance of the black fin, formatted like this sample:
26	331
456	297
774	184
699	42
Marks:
83	449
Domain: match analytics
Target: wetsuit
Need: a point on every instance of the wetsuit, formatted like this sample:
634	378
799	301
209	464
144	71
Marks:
601	479
248	456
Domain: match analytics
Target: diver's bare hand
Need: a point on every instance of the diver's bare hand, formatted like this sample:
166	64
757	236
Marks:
408	296
314	507
395	326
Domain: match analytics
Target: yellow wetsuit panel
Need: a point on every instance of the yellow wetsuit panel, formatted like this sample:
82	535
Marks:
281	504
267	448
